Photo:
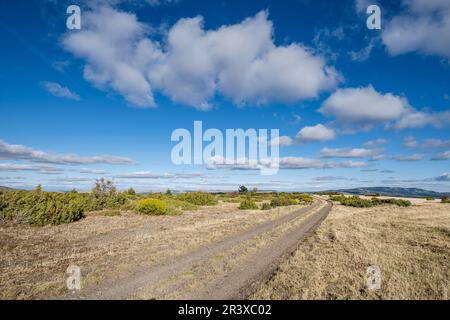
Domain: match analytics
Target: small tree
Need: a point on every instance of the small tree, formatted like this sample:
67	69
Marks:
104	188
38	188
243	189
131	191
168	192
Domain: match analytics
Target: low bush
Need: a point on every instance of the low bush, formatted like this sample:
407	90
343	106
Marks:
154	207
248	204
199	198
445	199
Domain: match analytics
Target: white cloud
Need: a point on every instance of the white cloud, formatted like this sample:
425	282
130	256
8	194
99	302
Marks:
414	157
442	156
409	158
422	27
283	141
59	91
283	163
443	177
418	119
411	142
20	152
93	171
315	133
239	61
364	106
375	143
152	175
348	153
29	167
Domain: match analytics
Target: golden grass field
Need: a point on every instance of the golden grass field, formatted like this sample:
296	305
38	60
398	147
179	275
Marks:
410	245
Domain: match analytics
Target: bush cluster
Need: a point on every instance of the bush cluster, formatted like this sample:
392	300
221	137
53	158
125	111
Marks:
41	208
199	198
248	204
355	201
266	206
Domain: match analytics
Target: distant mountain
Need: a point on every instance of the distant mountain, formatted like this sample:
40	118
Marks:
6	188
391	191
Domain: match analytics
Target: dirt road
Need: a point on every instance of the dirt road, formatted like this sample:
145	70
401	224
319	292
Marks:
232	267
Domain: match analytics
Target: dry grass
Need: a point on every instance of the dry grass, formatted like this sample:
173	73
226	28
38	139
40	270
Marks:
33	260
410	245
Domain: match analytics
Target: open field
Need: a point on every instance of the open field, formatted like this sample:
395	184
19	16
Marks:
219	251
141	256
410	245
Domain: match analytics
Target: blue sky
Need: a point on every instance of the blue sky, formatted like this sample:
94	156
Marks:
356	107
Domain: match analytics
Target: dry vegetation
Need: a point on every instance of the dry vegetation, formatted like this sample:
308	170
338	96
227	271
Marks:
411	246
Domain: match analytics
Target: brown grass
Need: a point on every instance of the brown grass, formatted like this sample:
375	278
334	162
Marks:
411	246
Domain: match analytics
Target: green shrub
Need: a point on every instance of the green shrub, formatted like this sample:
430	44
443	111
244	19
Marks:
355	201
266	206
248	204
445	199
306	198
337	198
199	198
41	208
154	207
281	201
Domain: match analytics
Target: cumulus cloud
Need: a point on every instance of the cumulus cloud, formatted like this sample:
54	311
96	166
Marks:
364	107
59	91
418	119
348	153
192	65
20	152
315	133
420	28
